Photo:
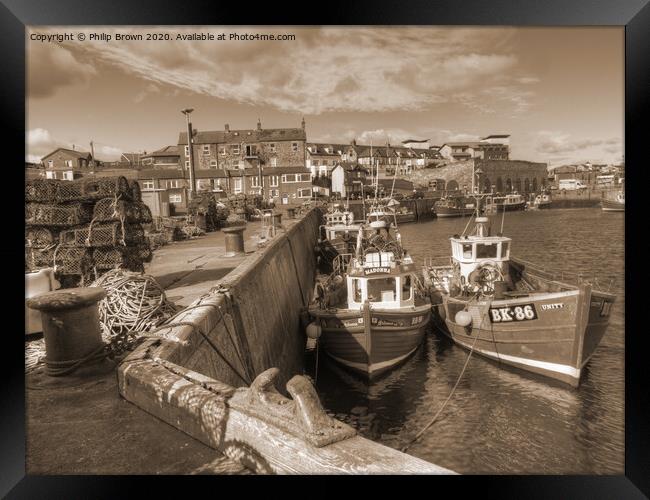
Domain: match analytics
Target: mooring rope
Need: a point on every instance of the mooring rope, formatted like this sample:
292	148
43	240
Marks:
451	393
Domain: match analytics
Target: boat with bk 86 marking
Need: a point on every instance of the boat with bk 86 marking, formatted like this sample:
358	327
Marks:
507	310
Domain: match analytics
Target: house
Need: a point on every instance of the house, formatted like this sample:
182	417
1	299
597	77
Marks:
322	158
239	149
269	162
349	180
167	157
490	147
67	164
173	181
495	147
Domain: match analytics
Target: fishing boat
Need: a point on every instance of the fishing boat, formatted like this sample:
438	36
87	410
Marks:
542	200
371	312
453	207
509	311
613	202
505	203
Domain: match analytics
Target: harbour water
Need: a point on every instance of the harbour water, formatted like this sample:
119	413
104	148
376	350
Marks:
501	420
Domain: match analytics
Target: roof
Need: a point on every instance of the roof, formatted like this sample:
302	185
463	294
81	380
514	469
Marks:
253	135
72	152
471	144
496	136
414	140
166	151
161	173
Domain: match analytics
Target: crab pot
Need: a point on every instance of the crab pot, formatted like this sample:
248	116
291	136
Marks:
234	240
71	327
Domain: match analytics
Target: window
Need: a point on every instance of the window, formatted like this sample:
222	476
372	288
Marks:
234	149
175	198
213	163
67	176
187	164
206	149
356	290
304	193
187	151
237	187
294	147
303	177
175	184
68	163
315	163
467	251
406	288
274	192
251	150
274	162
274	179
222	150
272	146
255	182
484	251
381	290
504	249
146	185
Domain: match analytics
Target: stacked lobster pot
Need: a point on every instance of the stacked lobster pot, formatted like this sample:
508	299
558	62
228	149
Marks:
84	228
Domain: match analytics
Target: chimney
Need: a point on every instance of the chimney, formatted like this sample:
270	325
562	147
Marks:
354	142
303	123
259	124
227	128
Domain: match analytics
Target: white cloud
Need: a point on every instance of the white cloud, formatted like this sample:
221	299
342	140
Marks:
329	69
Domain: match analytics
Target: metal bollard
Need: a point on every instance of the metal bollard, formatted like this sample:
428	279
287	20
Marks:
71	329
234	240
277	219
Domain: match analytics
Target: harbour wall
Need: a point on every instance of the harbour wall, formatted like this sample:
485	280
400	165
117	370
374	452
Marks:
582	198
224	369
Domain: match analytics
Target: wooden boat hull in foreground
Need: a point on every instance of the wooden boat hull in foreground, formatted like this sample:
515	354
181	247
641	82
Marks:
371	342
551	334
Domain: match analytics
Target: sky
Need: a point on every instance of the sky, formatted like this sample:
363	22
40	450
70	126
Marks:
559	92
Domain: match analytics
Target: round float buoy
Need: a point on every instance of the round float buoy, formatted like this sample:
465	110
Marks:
314	330
463	318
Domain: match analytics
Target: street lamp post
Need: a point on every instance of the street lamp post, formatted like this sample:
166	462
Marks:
187	112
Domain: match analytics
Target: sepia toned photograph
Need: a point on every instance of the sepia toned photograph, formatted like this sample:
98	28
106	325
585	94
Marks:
324	250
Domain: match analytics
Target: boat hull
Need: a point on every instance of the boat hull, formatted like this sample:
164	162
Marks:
371	342
544	204
558	343
511	207
453	212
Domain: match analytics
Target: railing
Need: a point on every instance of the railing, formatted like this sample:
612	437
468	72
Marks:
575	278
341	262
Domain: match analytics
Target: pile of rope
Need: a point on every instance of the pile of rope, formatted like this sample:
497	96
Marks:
134	304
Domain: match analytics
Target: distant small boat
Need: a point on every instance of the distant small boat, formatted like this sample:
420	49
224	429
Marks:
543	200
453	207
507	203
614	203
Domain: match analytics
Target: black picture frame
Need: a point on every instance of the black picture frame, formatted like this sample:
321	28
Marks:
634	15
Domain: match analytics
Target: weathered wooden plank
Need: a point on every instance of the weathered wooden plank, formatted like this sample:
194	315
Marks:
210	417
